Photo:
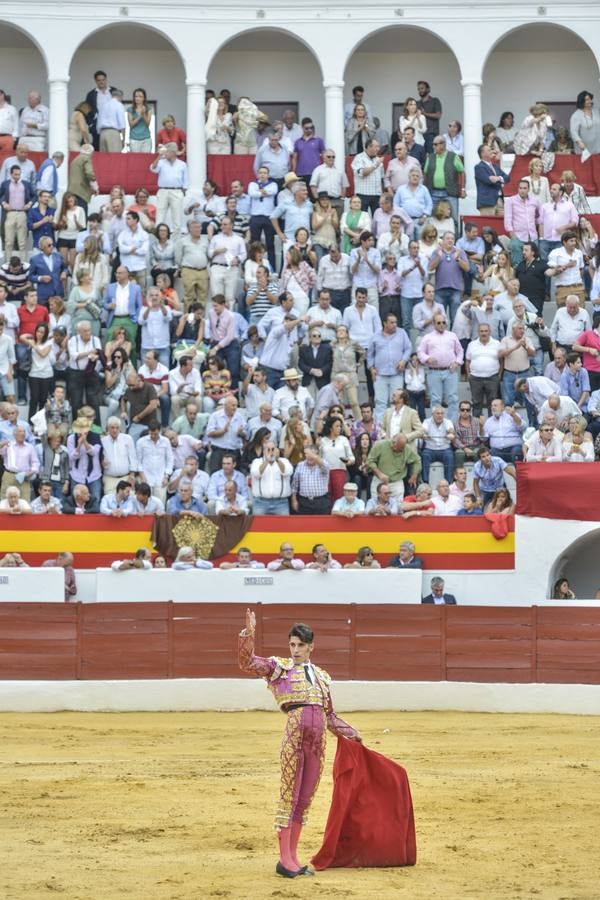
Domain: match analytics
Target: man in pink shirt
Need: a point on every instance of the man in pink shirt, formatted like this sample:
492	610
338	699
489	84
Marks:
588	343
223	337
555	217
441	352
521	214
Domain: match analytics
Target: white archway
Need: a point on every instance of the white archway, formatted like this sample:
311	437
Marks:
270	65
388	62
134	55
24	64
579	564
536	61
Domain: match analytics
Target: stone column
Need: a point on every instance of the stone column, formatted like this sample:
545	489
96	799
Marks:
472	134
58	130
334	121
196	139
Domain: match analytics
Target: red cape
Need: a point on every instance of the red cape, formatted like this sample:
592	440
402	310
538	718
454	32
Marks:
371	820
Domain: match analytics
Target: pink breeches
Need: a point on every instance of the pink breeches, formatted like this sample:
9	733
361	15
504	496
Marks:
302	756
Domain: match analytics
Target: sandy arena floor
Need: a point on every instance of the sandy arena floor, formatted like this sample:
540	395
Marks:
178	807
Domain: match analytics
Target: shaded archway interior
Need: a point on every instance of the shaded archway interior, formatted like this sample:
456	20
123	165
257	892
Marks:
133	56
542	62
390	62
23	66
579	562
270	66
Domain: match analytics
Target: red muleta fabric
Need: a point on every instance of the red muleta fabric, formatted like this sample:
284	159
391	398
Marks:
371	820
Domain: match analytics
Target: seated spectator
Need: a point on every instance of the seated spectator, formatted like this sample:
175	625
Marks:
562	590
144	504
189	471
365	559
191	422
383	504
322	559
220	477
80	502
470	507
186	559
286	561
439	435
405	558
444	503
503	431
64	561
184	503
243	560
418	504
13	561
468	437
349	504
12	504
488	475
501	503
231	503
119	504
185	384
438	596
575	448
141	560
45	502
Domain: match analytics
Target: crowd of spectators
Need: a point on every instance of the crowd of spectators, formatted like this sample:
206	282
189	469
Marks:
291	352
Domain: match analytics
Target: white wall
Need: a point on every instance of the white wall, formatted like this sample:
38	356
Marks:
514	81
22	70
273	76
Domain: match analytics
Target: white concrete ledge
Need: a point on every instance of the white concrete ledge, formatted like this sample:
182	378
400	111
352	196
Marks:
179	695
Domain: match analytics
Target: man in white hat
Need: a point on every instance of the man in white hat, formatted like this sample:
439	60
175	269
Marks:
349	504
292	394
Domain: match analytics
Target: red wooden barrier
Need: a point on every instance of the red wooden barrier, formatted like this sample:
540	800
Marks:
353	641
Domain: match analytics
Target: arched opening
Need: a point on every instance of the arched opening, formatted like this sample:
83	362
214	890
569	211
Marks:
579	564
542	62
133	56
275	70
23	66
388	65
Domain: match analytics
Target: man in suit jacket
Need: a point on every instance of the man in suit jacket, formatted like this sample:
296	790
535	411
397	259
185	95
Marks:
81	502
490	180
122	302
400	418
405	558
314	360
48	271
437	595
82	177
16	197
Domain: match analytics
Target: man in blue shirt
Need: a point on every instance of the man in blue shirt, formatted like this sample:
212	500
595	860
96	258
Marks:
575	382
185	503
387	355
470	507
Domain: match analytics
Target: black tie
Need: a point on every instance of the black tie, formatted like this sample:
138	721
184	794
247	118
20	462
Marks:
307	673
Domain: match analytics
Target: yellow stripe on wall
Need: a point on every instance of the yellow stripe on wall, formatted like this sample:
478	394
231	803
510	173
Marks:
120	542
383	541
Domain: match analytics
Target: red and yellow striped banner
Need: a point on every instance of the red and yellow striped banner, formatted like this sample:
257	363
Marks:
444	543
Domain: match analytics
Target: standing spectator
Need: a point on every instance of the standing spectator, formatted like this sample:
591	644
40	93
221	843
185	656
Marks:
307	151
589	345
569	323
9	124
133	245
172	185
69	222
413	271
488	475
556	217
191	257
432	109
30	315
226	429
170	134
335	277
585	124
227	253
391	461
82	177
310	486
531	275
449	264
223	337
398	169
119	462
443	175
142	402
489	180
441	352
262	194
155	321
8	362
483	370
122	304
271	482
139	116
84	369
296	214
16	197
155	460
21	159
40	219
437	443
368	176
565	265
41	372
274	156
365	266
110	123
358	130
387	355
47	174
334	182
424	312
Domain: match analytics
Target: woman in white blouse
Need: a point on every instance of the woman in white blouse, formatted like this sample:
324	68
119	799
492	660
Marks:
539	186
336	451
412	118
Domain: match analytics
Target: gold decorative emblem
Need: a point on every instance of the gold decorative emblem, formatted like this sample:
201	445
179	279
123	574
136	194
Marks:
197	533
